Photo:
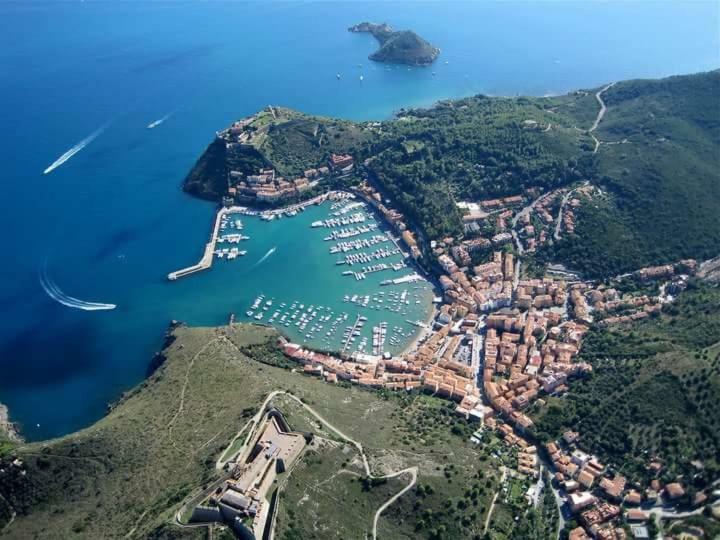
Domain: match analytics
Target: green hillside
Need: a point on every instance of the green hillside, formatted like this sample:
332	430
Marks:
657	164
655	391
663	178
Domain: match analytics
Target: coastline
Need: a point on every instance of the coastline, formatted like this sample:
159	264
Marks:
414	344
7	426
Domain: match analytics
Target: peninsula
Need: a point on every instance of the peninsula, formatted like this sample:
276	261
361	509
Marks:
398	47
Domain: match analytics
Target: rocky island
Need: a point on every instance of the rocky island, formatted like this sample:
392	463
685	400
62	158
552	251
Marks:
398	47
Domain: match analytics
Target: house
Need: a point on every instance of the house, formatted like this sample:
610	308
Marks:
585	479
578	501
633	497
340	161
635	514
613	488
674	491
578	533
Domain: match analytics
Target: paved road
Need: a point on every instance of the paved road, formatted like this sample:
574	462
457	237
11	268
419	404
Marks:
600	115
516	218
564	201
603	108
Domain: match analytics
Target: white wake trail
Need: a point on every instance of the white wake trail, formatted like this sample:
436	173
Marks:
264	257
156	123
75	149
54	292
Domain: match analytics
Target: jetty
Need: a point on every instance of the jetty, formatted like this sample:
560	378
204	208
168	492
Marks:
351	332
207	258
411	278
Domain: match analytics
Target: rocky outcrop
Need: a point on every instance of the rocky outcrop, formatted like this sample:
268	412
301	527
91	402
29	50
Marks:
8	428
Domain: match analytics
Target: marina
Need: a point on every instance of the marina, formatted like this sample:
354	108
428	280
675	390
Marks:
338	297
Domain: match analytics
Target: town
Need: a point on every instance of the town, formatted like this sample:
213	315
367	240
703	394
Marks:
501	341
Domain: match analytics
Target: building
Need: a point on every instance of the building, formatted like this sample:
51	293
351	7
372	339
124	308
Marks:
340	161
579	501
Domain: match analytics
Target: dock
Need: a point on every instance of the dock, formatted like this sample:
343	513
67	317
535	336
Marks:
350	335
411	278
207	258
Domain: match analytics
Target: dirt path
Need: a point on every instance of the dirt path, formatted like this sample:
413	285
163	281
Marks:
413	472
137	524
356	444
220	463
181	406
492	504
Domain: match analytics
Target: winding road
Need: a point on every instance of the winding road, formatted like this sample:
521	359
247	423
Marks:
600	115
565	199
516	218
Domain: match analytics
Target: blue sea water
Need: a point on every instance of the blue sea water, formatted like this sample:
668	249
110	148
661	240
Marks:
112	221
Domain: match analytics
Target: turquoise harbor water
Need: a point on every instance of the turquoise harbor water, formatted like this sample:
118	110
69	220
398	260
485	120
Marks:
289	277
110	222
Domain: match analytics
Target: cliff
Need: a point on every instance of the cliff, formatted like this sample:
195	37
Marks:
8	429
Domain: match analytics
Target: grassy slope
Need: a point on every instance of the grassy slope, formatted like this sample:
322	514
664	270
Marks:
321	490
296	142
131	469
397	432
655	390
